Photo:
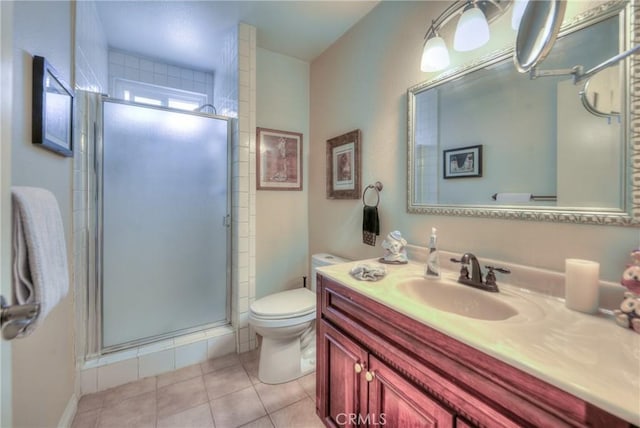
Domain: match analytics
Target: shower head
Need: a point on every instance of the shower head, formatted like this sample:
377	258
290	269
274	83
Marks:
206	108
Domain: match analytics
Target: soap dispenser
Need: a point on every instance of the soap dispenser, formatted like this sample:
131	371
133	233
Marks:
433	261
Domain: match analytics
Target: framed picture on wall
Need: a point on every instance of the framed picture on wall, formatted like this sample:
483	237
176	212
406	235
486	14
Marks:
278	160
463	162
343	166
52	119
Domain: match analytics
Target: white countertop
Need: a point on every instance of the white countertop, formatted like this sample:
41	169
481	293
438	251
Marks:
588	356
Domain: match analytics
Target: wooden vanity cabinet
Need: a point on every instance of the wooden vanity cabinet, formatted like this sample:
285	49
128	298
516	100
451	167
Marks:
377	367
364	391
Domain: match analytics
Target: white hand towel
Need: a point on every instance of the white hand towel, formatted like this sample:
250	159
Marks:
366	272
40	269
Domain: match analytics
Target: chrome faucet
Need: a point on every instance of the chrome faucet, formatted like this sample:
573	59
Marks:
476	273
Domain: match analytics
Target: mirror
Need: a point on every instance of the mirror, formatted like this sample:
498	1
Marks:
537	33
544	156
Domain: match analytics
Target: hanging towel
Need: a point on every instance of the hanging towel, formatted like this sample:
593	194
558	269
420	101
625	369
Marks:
40	270
370	225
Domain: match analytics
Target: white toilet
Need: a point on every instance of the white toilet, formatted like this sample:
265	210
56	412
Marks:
286	322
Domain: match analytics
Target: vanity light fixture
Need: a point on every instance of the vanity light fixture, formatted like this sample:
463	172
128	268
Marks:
472	30
435	55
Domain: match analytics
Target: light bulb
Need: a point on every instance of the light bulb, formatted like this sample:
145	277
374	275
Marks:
435	55
472	31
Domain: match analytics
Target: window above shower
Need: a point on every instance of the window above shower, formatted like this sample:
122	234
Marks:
151	81
144	93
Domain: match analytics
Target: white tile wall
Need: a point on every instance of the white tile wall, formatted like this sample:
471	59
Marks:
91	49
244	187
160	357
130	66
91	74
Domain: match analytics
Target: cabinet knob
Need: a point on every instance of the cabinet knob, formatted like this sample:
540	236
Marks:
358	368
369	376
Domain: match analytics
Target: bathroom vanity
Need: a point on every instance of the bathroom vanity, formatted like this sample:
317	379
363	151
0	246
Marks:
389	356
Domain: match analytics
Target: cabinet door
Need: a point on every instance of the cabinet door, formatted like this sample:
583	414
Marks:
341	369
395	402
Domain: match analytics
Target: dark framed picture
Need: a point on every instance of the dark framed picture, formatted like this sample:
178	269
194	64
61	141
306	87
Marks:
52	109
463	162
343	166
278	160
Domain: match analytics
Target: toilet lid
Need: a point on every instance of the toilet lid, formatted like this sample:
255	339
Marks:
285	304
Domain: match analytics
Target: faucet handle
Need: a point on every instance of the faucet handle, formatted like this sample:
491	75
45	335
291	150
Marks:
498	269
491	276
464	270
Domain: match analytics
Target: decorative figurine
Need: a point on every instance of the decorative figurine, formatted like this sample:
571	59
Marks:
394	249
628	315
631	275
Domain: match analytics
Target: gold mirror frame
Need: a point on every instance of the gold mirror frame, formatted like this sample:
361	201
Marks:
629	215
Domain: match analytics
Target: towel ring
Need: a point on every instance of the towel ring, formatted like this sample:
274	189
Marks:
378	187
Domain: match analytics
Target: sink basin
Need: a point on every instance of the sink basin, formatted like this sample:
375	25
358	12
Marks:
449	296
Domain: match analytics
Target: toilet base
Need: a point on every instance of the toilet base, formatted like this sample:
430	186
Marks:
282	361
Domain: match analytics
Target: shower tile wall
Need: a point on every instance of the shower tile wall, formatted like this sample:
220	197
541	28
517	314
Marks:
244	189
91	75
226	78
129	66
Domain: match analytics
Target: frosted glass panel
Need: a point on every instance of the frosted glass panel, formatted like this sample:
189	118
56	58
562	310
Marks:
164	243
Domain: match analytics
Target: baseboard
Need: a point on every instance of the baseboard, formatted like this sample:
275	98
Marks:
69	412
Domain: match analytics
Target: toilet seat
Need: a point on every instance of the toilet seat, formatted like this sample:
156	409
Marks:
285	304
286	308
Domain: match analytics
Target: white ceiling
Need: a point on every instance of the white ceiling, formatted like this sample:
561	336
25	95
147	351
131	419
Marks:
189	32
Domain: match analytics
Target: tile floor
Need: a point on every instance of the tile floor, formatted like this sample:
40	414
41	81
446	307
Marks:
224	392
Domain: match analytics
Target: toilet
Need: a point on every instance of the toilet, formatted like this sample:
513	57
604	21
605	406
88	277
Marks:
286	322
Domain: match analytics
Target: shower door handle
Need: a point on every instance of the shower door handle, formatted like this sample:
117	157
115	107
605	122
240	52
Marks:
226	220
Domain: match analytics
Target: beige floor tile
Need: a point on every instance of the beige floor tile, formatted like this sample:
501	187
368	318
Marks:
225	381
263	422
179	375
250	355
301	414
181	396
91	402
88	419
237	408
308	383
196	417
138	411
252	370
114	395
275	397
219	363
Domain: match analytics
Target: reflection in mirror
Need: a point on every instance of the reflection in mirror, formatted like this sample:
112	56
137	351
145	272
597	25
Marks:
601	93
537	137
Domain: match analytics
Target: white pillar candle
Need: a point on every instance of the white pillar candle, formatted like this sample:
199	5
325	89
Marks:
581	285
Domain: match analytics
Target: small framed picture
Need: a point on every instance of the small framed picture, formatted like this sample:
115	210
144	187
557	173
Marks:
463	162
343	166
278	160
52	120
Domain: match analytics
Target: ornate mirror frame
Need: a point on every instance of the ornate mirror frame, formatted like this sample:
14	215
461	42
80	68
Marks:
629	215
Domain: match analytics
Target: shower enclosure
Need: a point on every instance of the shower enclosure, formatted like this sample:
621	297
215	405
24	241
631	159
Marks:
161	223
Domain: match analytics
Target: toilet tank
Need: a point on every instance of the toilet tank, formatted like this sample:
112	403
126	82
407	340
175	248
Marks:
323	259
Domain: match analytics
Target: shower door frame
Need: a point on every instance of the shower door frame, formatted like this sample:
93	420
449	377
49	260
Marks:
94	342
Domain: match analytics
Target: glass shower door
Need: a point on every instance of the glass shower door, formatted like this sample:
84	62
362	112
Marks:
165	241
